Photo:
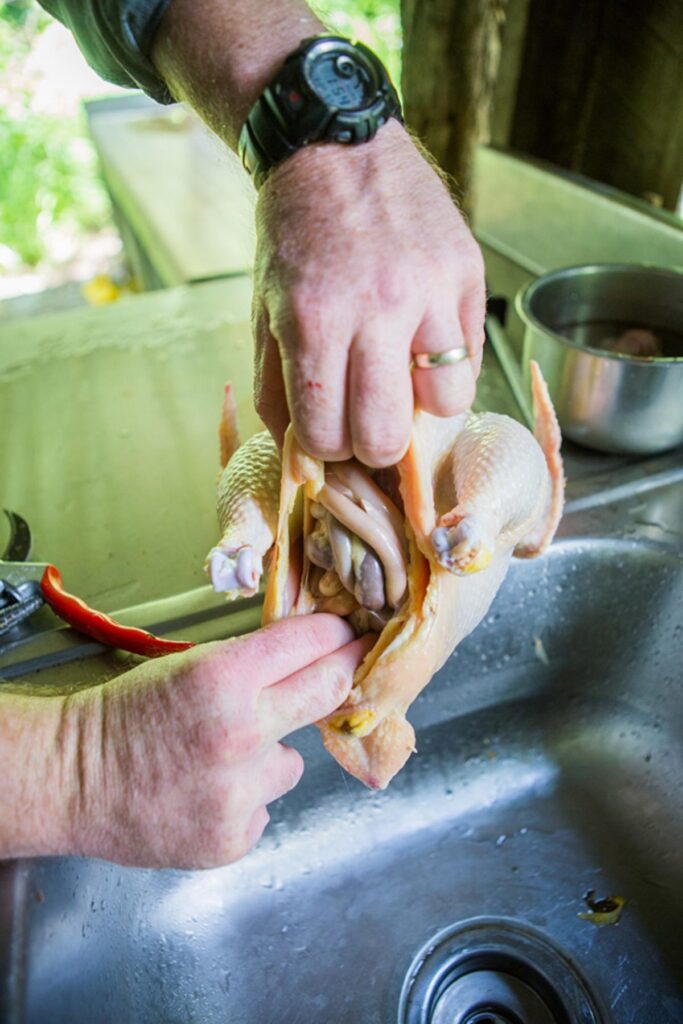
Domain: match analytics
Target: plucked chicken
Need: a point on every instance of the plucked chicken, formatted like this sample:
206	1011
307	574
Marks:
415	553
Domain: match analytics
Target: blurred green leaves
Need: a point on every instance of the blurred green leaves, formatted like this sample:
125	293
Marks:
375	22
49	176
48	167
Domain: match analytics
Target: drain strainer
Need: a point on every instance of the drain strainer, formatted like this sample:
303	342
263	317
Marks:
494	971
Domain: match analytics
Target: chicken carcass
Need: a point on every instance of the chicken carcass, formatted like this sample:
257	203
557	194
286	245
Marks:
416	553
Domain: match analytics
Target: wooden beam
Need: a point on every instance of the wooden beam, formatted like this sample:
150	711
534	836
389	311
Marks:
450	61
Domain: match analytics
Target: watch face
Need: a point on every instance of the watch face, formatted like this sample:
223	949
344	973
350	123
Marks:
341	80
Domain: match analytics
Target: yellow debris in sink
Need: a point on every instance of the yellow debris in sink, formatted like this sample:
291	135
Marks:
602	911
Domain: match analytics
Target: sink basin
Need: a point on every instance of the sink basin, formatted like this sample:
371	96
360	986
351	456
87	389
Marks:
549	765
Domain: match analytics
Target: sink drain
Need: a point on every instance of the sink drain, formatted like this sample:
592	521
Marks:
490	997
487	971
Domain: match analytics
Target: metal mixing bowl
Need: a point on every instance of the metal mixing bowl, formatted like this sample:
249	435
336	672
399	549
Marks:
606	400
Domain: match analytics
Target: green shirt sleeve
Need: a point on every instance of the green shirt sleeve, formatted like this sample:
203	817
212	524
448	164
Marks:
115	37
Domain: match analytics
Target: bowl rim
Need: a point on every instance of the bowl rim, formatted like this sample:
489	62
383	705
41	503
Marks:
526	293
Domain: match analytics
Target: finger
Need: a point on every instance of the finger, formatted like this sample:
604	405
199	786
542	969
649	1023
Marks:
442	390
283	767
273	653
269	388
472	312
314	692
380	393
314	355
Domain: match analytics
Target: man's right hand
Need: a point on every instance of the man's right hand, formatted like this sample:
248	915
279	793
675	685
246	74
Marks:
173	763
362	258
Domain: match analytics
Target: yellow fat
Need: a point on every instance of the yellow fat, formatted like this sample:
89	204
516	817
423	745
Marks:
354	723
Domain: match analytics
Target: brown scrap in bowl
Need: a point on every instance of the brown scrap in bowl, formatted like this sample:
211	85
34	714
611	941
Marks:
637	341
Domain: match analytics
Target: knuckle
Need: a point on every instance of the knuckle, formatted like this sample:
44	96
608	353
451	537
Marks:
305	298
304	310
314	635
460	266
393	281
227	739
246	738
213	739
473	259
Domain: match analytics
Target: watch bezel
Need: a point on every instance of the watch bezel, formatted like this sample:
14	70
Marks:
273	131
343	47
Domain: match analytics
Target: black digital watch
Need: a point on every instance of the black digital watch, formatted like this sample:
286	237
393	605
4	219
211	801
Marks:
329	90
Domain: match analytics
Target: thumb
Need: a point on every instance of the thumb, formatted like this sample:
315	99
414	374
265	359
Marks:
312	693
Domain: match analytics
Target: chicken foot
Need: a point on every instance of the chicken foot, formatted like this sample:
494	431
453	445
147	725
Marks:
248	497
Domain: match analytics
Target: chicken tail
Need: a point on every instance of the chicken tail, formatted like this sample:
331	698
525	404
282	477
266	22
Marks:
228	430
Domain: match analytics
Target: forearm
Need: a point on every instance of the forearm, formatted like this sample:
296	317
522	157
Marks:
219	55
35	764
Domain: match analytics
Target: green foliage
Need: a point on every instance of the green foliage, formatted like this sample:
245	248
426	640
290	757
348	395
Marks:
49	172
375	22
15	12
48	167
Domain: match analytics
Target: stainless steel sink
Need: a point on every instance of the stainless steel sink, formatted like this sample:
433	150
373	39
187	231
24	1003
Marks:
550	756
549	765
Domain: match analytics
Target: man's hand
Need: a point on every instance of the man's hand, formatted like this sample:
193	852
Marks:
362	258
173	763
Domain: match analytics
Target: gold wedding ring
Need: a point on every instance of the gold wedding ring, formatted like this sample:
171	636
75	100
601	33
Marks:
430	360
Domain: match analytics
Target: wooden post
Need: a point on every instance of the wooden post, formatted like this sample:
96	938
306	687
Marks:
451	50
